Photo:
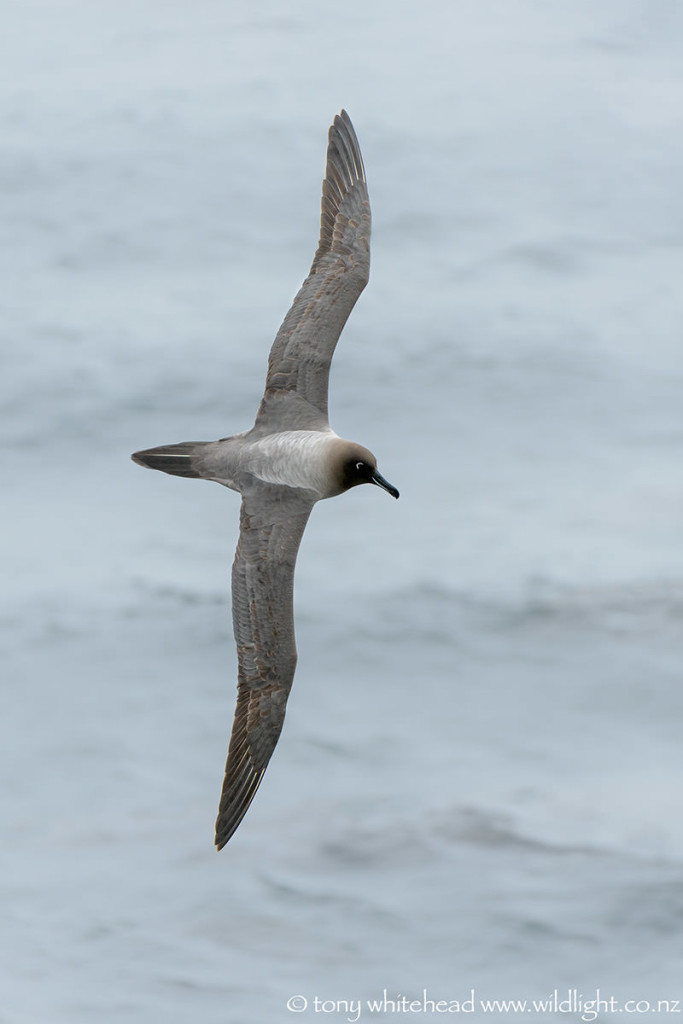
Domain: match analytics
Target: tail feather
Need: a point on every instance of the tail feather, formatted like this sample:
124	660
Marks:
177	459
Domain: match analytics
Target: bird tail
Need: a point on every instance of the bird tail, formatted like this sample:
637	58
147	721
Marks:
178	459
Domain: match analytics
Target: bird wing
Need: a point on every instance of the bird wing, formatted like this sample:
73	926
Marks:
272	522
299	364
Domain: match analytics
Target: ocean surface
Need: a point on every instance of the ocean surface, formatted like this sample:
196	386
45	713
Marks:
478	791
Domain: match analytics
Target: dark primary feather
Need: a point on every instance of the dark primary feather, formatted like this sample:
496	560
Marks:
272	521
299	362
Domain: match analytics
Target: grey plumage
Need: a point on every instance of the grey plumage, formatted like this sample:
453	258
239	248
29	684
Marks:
288	460
299	362
264	634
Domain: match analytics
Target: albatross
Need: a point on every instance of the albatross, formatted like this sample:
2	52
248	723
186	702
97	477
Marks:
289	460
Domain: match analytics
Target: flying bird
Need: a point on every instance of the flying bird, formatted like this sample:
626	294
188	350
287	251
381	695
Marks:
290	459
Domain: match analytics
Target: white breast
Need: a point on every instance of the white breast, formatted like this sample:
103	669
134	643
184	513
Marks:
297	458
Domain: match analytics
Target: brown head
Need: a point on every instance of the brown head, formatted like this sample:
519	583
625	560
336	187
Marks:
355	465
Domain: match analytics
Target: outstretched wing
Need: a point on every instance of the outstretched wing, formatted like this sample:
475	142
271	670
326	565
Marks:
299	364
272	521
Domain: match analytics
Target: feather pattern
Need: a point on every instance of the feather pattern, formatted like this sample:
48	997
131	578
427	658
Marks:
299	363
263	621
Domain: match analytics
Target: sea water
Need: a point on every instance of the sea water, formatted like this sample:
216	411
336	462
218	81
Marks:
477	792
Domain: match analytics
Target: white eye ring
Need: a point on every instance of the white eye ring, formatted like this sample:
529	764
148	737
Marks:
359	465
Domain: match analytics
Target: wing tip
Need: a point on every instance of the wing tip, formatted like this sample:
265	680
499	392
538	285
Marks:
344	175
236	800
343	140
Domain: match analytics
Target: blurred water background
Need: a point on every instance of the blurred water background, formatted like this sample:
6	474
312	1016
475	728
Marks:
479	781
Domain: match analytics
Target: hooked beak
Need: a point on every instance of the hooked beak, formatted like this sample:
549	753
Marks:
378	479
